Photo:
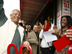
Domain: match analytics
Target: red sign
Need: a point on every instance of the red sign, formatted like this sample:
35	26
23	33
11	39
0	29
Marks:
66	7
66	4
59	15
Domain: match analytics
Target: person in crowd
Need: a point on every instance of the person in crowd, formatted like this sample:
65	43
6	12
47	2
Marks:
20	23
10	32
33	39
29	29
39	28
46	48
23	23
66	23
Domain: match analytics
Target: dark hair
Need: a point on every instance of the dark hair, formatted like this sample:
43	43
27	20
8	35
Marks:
21	24
69	21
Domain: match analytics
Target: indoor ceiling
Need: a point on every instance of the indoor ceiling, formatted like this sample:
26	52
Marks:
30	9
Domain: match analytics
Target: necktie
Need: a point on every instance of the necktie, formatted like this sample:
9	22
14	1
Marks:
16	40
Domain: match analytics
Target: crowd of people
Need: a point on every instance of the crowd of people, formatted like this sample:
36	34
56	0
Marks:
13	31
36	39
38	43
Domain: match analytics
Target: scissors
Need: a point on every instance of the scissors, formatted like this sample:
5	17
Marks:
20	49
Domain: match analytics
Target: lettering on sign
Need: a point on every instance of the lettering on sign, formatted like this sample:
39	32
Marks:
66	4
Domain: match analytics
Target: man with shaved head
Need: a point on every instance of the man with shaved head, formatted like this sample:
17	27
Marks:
10	31
33	39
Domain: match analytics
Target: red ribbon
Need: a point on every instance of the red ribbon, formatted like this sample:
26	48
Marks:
20	50
9	46
62	43
22	46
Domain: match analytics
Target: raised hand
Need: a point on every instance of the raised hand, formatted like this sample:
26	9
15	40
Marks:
69	34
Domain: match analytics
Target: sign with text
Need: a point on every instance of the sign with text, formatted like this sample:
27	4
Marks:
66	7
58	19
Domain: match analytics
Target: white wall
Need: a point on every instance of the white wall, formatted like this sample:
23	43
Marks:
10	5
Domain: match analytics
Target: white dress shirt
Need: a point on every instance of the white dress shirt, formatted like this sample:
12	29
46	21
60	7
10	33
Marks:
44	44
